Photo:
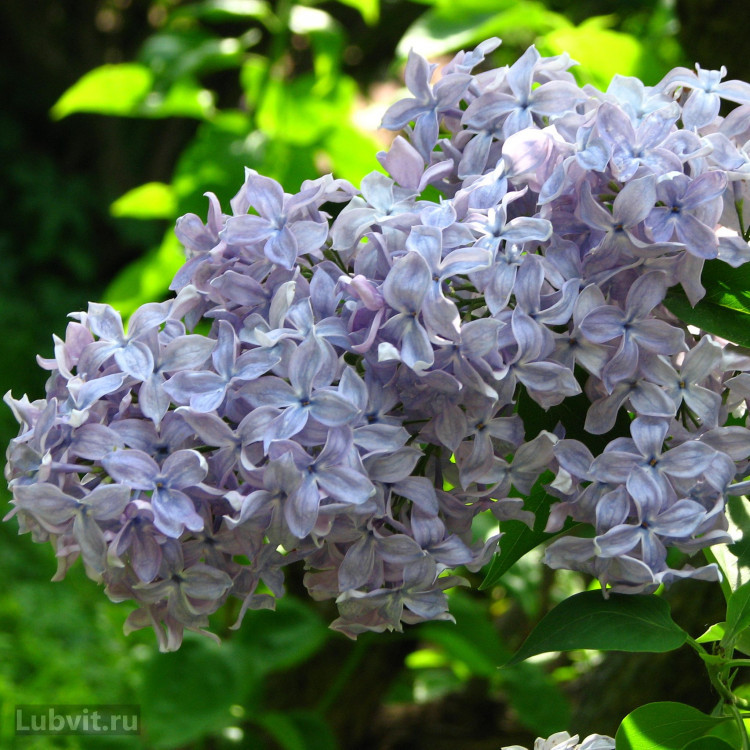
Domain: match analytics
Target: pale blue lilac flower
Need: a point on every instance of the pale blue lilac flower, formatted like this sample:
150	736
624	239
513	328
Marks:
682	211
280	226
173	509
706	91
635	327
428	102
644	145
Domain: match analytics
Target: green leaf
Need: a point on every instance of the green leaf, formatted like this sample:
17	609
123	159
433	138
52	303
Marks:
154	200
734	559
327	40
298	113
450	26
297	730
663	726
536	698
708	743
738	614
714	633
725	309
214	160
282	729
368	9
187	695
351	153
146	279
107	90
472	640
517	537
600	51
572	414
190	52
621	623
225	10
185	98
276	640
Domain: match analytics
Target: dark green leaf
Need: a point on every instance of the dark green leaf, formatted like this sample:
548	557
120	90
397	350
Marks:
663	726
187	695
536	698
275	640
297	730
621	623
738	614
473	638
708	743
518	538
571	413
725	310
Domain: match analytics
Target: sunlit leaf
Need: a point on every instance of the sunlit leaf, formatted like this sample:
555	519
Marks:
215	160
619	623
222	10
601	51
294	112
350	153
146	279
369	9
714	633
451	26
664	726
154	200
327	40
191	52
107	90
709	743
184	98
734	559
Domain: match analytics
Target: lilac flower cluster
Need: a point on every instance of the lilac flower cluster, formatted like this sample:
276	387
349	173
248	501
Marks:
344	392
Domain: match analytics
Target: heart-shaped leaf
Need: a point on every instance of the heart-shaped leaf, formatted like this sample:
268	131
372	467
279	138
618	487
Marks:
620	623
664	726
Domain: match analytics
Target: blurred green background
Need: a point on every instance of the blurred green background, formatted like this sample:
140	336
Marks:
118	115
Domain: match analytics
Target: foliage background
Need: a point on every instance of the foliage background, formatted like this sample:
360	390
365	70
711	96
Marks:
292	91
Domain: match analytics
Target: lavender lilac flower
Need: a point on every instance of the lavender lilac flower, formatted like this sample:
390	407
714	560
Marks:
357	399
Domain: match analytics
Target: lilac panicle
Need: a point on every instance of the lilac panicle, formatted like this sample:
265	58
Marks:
350	393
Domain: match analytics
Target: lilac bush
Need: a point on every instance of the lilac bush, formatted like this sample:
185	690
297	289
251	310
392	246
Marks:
347	392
